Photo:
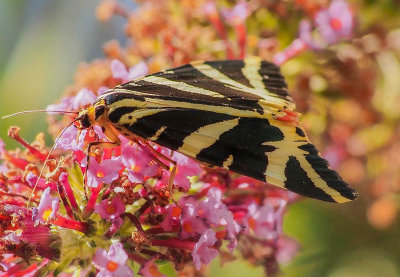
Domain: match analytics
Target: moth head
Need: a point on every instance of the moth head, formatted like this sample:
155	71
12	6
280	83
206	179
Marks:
90	116
83	120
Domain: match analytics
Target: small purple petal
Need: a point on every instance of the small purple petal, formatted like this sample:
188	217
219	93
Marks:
137	71
202	253
68	139
47	203
83	98
118	70
106	172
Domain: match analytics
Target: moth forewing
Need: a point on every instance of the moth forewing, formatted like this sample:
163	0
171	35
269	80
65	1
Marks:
234	114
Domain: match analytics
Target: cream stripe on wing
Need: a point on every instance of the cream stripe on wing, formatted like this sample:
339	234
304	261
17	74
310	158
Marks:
220	77
278	158
206	136
251	72
182	86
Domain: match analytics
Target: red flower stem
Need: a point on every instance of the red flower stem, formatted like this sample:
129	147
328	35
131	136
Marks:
134	220
13	202
12	270
70	194
13	132
143	208
294	49
174	243
137	258
160	230
113	229
17	195
61	221
152	254
67	207
241	34
20	163
26	271
216	21
92	201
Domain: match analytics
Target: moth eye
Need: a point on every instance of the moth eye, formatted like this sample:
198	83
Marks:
85	122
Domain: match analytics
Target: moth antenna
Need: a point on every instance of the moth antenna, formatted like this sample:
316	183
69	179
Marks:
39	111
45	162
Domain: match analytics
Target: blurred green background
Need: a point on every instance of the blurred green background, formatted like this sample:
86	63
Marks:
41	43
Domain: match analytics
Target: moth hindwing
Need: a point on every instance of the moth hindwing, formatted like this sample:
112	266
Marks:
234	114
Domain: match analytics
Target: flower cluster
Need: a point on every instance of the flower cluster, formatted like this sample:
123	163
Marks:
113	214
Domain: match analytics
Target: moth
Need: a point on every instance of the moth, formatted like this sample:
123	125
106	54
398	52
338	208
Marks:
234	114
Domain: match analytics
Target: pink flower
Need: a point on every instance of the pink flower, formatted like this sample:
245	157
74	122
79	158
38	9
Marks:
83	98
186	168
286	249
65	105
68	140
102	90
203	252
13	237
217	214
149	269
333	23
110	209
113	262
139	162
192	223
306	36
47	208
210	8
237	15
266	221
119	70
336	22
106	172
172	217
31	178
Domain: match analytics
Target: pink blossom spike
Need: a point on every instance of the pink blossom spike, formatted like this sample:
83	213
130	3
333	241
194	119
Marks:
203	252
113	262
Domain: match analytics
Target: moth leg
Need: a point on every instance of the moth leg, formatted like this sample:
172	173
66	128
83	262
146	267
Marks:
114	141
172	169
